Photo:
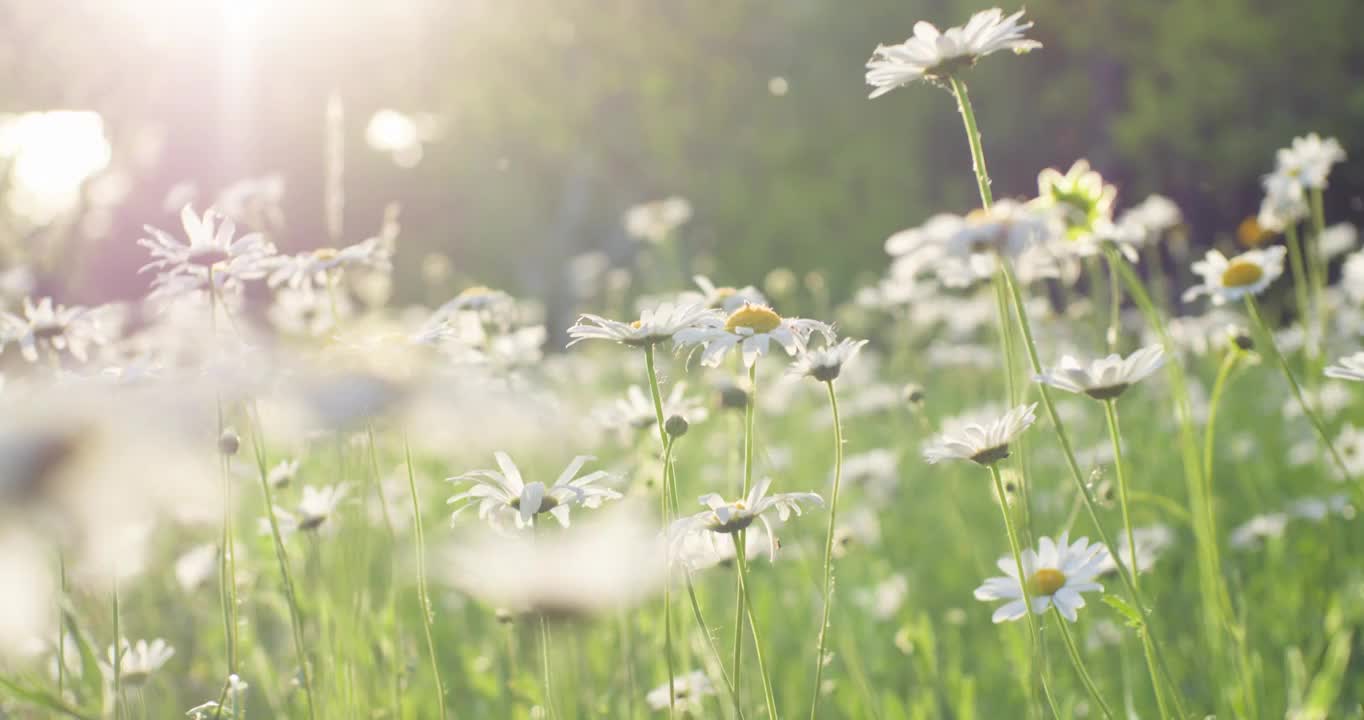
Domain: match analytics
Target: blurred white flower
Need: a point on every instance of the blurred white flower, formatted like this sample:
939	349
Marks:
1249	534
503	495
985	444
136	662
55	329
825	362
724	298
211	254
653	326
656	221
1348	368
729	518
1309	159
318	268
933	55
1152	542
1229	280
1284	203
196	566
1105	378
1081	198
687	691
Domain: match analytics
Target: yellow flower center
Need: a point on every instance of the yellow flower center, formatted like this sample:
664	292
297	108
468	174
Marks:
1250	234
1241	273
325	253
758	318
475	291
1046	581
634	324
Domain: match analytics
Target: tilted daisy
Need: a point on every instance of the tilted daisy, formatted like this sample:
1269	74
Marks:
318	267
53	328
136	662
752	329
1056	575
1081	197
653	326
1226	280
1284	204
724	297
1310	158
502	494
1105	378
211	252
825	363
1348	368
635	411
933	55
318	504
687	692
728	518
984	444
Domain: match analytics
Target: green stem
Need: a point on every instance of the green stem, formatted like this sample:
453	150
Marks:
968	118
1016	549
423	593
549	676
742	564
1317	267
1297	264
667	586
281	555
1115	305
118	657
1253	308
1079	663
1091	506
741	538
829	549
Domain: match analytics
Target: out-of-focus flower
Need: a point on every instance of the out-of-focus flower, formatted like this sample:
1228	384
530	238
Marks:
728	518
1152	542
319	267
724	297
933	55
1229	280
502	494
1309	159
1284	203
137	661
825	363
1080	196
985	444
1348	368
652	327
54	328
656	221
1105	378
687	692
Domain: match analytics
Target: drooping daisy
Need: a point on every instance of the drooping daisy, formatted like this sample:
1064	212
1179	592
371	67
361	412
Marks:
752	329
1348	368
1310	158
728	518
985	444
1057	573
1227	280
825	363
503	494
53	328
935	56
1105	378
688	693
1152	542
318	504
653	326
211	251
136	662
1080	196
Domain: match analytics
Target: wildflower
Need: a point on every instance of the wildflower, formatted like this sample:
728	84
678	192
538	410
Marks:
196	566
1080	196
652	327
1008	229
729	518
825	363
1338	240
655	221
936	56
504	494
635	411
1350	444
607	564
1057	573
1156	214
1284	202
724	297
1106	378
983	444
1152	541
753	329
52	328
1309	159
1249	534
283	473
1348	368
318	504
211	255
318	268
137	662
1228	280
886	598
687	692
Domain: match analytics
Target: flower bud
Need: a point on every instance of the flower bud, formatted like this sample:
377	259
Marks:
676	426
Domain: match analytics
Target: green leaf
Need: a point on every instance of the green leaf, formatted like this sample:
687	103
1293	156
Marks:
1134	619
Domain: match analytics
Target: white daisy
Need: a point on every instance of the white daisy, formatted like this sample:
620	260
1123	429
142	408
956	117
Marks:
1057	573
1338	240
1348	368
1309	159
825	363
1156	214
724	297
985	444
652	327
1227	280
1249	534
729	518
1152	542
1284	203
752	329
1081	197
655	221
635	411
1350	444
502	495
1105	378
318	504
935	55
136	662
55	328
687	692
210	251
319	267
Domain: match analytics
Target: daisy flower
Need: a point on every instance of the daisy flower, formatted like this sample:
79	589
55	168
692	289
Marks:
1309	159
1081	197
318	504
1105	378
137	662
211	252
729	518
825	363
985	444
724	297
316	268
502	494
1284	203
687	692
52	328
1348	368
1229	280
655	221
635	411
653	326
1056	575
1152	542
934	56
752	329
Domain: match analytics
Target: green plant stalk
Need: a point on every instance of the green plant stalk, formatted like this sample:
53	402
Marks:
968	118
741	538
1079	663
1078	476
61	625
1016	549
423	593
742	564
829	548
548	673
1253	308
227	562
667	585
1114	307
281	555
1317	257
118	657
1297	264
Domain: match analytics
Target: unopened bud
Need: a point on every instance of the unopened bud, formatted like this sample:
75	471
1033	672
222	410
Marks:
676	426
229	442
